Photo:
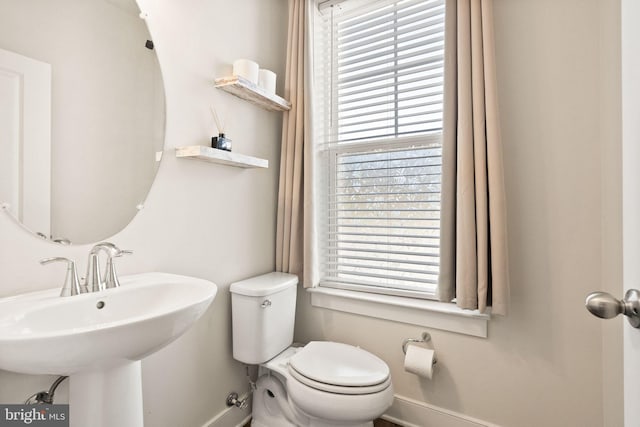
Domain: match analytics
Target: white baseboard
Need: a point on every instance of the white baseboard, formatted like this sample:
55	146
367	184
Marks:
413	413
231	417
405	411
245	421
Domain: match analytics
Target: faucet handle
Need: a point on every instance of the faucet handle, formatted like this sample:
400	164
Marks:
110	275
71	283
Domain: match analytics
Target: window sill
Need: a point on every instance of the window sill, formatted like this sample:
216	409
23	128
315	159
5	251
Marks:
432	314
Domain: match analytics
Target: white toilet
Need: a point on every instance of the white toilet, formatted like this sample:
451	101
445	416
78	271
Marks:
319	385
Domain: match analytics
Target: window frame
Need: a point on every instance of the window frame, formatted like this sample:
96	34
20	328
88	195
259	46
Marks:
422	310
433	140
328	152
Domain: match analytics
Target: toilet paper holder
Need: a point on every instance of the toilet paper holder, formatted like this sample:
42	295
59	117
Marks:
426	337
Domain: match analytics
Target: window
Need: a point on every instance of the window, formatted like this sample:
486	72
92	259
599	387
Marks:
378	125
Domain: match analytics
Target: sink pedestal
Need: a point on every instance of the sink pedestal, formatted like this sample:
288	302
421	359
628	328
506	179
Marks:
107	398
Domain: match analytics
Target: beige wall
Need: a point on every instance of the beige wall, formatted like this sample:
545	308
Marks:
543	364
205	220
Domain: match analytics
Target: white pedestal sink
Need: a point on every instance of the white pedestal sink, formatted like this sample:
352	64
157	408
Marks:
98	339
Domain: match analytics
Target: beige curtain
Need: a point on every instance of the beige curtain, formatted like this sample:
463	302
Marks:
474	264
295	230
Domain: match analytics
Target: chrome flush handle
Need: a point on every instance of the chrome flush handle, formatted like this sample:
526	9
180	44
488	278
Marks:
266	303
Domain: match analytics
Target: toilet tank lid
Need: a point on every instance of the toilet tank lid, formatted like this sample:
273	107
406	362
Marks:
267	284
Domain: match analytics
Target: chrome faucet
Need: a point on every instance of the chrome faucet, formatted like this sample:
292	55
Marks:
94	280
71	285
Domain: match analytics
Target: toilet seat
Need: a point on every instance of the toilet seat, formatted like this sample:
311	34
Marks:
336	389
339	368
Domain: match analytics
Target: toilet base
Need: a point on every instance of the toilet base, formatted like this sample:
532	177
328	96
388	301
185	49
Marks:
271	408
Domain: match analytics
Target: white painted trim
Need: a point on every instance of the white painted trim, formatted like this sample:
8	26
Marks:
245	421
404	411
231	417
630	53
432	314
408	412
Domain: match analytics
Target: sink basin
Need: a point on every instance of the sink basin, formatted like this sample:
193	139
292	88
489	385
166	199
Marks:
99	338
42	333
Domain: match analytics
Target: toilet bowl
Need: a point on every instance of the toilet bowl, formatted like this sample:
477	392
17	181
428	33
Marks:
321	384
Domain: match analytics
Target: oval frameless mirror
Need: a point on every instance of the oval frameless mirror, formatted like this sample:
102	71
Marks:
82	115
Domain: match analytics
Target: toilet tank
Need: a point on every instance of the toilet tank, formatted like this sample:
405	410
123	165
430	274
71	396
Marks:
263	314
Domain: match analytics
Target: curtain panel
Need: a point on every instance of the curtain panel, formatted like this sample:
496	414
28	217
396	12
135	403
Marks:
295	228
473	257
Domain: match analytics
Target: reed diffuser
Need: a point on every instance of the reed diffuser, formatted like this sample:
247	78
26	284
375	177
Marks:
221	142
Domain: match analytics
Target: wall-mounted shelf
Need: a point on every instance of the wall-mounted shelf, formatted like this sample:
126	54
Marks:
213	155
243	88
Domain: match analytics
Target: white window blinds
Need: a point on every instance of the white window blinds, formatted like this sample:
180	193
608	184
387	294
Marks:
379	67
